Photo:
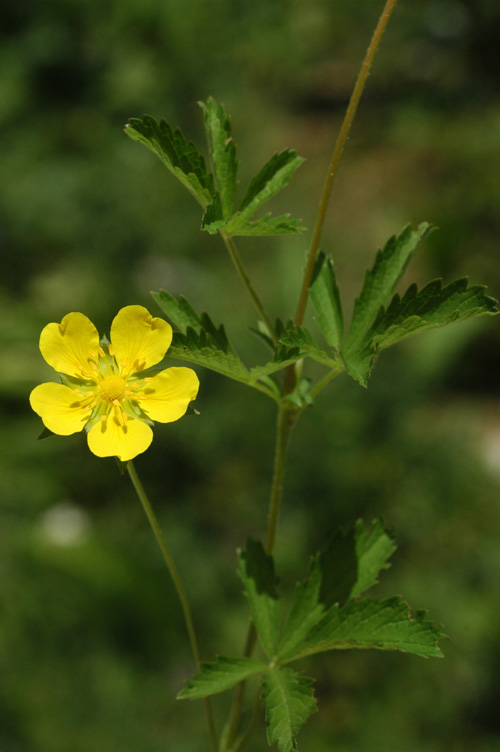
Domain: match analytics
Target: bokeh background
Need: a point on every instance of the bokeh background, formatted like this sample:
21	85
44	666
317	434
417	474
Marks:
92	645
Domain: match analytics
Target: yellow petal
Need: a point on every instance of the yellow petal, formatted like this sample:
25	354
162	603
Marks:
139	340
114	438
59	408
66	346
167	396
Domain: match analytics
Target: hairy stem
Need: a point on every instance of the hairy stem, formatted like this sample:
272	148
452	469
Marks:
186	610
236	259
337	154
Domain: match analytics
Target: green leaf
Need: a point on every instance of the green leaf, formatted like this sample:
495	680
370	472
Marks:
257	574
199	348
267	225
213	220
289	702
299	337
348	567
223	674
199	340
325	296
374	547
178	310
181	158
380	281
415	312
222	152
382	624
270	179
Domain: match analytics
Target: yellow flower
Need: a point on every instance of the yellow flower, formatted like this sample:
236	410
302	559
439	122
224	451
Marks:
105	389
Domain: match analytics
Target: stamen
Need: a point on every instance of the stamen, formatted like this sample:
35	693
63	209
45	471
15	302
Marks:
93	353
101	352
116	402
149	378
104	418
124	416
92	365
111	350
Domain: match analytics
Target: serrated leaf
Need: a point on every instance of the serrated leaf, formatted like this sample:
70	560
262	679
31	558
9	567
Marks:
300	337
181	158
284	357
434	306
238	226
270	179
289	702
348	567
222	152
325	296
380	281
178	310
381	624
223	674
213	221
374	547
257	574
199	348
199	340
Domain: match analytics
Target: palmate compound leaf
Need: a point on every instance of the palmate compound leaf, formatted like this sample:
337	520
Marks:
325	296
256	571
181	158
434	306
219	676
289	702
349	566
222	152
382	624
380	282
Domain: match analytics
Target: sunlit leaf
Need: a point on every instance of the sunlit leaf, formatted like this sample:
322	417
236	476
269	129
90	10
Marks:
380	282
270	179
180	157
222	152
434	306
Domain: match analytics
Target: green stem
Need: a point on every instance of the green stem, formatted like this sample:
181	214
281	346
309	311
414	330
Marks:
153	521
285	423
236	259
337	154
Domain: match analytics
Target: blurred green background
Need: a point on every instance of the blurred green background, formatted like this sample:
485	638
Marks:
92	645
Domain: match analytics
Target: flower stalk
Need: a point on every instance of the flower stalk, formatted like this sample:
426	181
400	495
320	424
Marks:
186	610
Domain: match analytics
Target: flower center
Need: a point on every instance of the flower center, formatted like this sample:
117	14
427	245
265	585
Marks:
112	388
